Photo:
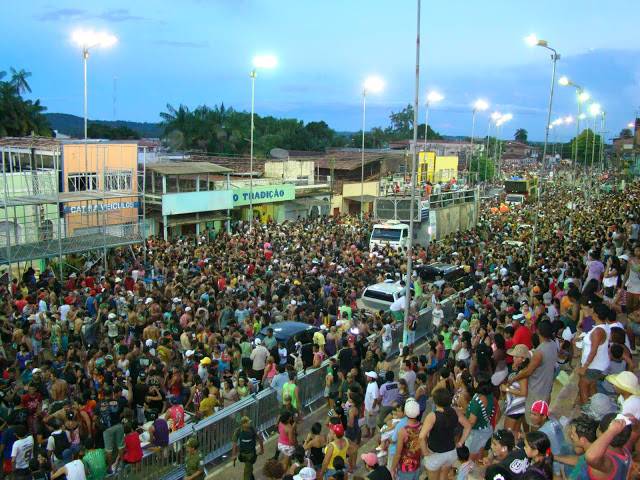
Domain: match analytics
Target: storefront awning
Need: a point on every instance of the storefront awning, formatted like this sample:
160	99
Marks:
190	219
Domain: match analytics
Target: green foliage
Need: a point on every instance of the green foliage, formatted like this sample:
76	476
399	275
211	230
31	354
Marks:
74	126
484	166
521	135
100	130
585	147
626	133
20	117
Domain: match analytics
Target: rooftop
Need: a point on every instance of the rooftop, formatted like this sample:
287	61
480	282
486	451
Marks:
51	144
348	161
187	168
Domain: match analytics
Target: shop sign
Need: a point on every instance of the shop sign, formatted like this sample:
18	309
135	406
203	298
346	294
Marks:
263	194
99	207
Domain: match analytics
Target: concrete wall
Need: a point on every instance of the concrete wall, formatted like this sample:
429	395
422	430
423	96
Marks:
455	218
292	169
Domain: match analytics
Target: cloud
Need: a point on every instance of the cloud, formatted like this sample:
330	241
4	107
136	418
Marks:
112	15
182	44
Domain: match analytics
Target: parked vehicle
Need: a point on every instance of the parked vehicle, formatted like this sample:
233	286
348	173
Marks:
381	295
392	233
439	273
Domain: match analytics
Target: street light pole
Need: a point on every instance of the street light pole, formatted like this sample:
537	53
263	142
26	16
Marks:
407	295
253	97
85	57
554	59
364	112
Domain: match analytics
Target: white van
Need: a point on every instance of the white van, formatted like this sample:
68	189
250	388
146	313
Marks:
380	296
392	233
514	199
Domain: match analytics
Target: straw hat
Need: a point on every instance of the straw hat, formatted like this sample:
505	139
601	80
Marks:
625	381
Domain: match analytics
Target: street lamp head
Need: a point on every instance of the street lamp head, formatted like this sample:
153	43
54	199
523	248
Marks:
265	61
495	116
582	116
373	84
90	38
557	121
434	97
630	125
480	105
533	41
568	120
583	96
595	109
564	81
506	117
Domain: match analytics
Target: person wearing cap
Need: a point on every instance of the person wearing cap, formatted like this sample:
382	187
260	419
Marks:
407	459
374	469
112	326
305	473
552	428
258	358
336	448
516	392
370	405
627	387
521	333
245	440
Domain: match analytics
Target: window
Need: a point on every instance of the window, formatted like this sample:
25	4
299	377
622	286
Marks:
81	182
386	234
118	180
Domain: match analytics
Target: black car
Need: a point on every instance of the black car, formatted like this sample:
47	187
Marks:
438	273
289	333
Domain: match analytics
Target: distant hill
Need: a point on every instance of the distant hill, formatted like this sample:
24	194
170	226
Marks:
74	126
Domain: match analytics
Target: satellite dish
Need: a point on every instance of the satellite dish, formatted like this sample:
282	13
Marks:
279	153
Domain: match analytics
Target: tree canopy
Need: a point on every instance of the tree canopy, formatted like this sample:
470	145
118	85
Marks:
221	129
20	117
484	166
100	130
521	135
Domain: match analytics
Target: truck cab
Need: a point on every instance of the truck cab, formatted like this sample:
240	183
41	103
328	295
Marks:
391	233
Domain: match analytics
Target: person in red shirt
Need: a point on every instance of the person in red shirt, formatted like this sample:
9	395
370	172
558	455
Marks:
175	414
522	333
132	446
20	303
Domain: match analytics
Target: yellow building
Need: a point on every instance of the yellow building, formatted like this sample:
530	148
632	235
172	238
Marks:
436	169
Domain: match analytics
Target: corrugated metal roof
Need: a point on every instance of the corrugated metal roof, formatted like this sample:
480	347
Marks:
186	168
39	143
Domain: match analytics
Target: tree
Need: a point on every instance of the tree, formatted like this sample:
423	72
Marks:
484	166
521	135
20	117
586	151
402	122
100	130
626	133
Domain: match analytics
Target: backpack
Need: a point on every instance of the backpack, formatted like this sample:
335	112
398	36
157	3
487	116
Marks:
247	441
60	443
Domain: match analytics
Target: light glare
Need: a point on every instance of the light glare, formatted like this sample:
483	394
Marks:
434	97
564	81
595	109
584	96
495	116
91	38
630	125
373	84
531	40
265	61
480	105
568	120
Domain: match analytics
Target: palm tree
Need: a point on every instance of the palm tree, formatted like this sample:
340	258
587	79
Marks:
521	135
19	80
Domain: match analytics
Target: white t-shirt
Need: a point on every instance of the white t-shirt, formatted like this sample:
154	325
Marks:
75	470
22	451
631	406
370	396
436	317
64	310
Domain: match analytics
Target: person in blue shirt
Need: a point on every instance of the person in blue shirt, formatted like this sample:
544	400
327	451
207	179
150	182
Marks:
278	381
90	305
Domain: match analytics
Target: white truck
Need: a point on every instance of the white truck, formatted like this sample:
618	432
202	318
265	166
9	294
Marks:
391	233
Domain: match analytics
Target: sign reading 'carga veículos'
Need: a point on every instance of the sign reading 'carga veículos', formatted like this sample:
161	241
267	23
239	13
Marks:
263	194
100	207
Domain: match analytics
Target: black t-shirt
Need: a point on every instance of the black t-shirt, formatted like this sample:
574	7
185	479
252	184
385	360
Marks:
379	473
139	393
110	410
517	463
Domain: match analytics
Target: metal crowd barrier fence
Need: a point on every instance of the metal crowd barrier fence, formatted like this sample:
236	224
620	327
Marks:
215	433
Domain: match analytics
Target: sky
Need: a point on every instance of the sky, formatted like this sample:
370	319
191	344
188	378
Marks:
196	52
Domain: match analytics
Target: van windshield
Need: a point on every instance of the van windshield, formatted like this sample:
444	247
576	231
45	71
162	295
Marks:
386	234
514	198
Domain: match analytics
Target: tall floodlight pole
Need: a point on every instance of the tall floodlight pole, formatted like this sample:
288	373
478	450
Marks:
413	181
371	85
432	98
581	97
87	40
533	41
493	119
259	62
478	105
595	110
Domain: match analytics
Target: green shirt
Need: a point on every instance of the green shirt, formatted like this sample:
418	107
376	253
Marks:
580	470
447	339
245	348
464	325
95	463
192	463
417	287
347	309
290	389
483	415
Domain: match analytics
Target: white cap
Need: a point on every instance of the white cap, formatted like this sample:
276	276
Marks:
373	375
307	473
148	300
461	316
149	342
176	300
257	341
188	309
293	302
189	353
36	370
118	279
111	316
411	408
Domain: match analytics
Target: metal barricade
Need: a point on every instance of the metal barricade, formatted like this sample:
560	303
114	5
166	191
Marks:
267	408
311	385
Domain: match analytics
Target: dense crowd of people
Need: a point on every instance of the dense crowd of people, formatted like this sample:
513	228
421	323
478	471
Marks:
103	366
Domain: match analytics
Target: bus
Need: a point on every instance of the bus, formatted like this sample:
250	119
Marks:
522	186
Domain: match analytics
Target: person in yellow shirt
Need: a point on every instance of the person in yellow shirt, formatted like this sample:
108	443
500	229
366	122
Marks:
208	404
